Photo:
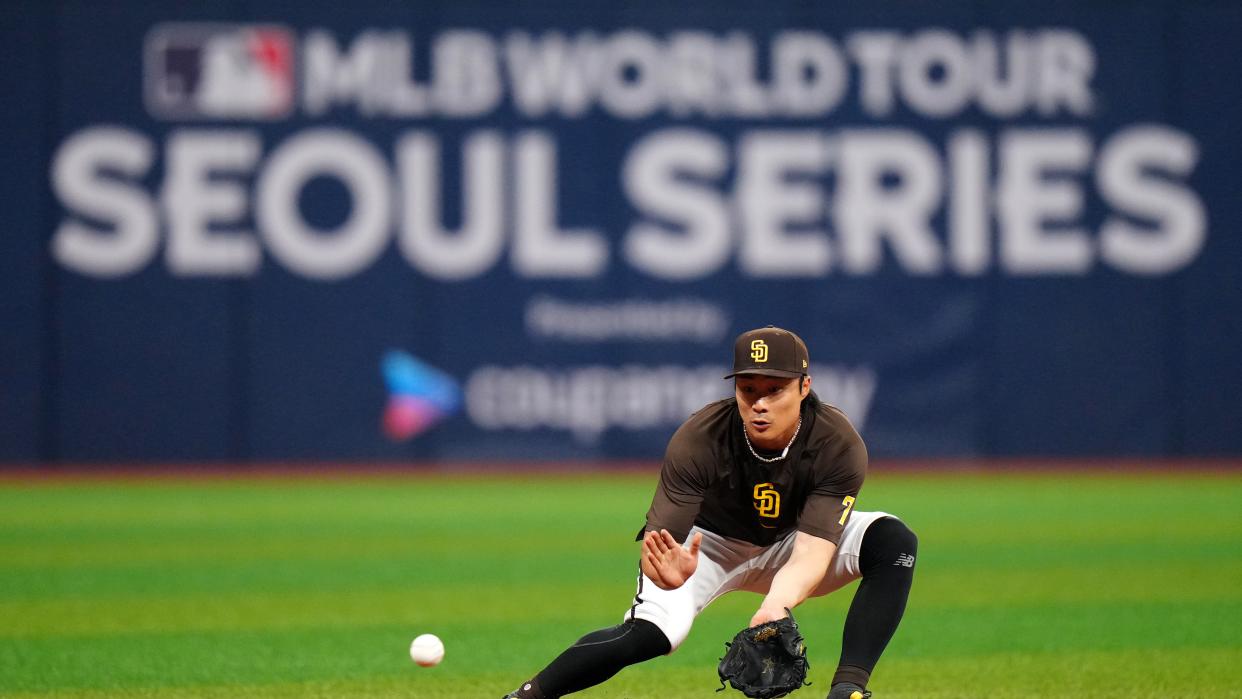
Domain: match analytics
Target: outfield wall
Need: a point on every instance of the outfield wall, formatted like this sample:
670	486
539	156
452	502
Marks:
276	232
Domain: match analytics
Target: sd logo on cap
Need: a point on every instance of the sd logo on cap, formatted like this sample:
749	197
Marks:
769	351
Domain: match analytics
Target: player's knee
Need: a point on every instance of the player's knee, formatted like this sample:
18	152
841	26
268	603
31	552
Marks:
903	537
631	642
672	626
888	544
650	640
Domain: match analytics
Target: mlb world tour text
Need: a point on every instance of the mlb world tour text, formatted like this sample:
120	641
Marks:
792	192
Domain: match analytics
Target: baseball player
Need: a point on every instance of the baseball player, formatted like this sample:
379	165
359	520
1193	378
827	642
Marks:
756	493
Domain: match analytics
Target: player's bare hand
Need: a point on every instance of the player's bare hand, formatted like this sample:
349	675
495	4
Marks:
666	562
766	614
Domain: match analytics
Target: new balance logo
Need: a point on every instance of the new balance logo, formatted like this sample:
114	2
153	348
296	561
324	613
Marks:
905	560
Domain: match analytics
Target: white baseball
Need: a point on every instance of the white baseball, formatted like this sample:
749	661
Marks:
427	650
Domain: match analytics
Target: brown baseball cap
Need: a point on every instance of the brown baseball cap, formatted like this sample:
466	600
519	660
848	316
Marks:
769	351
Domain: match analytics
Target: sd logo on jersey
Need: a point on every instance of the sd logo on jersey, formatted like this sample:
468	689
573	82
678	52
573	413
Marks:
767	500
219	71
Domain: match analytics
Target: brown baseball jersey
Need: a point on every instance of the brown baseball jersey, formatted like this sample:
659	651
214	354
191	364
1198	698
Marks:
711	479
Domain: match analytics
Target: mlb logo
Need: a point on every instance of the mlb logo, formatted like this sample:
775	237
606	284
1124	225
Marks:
219	71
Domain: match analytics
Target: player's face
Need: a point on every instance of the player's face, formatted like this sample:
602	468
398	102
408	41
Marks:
769	406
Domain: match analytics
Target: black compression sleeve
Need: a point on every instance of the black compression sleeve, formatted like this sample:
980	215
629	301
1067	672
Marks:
887	561
600	655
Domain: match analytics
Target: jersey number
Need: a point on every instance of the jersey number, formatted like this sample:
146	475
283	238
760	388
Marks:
849	506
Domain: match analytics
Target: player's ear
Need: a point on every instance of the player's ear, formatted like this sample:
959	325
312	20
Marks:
806	384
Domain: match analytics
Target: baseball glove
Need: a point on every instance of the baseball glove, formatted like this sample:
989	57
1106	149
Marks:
765	661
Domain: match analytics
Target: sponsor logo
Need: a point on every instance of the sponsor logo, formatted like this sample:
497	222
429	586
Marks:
219	71
905	560
419	396
588	400
759	351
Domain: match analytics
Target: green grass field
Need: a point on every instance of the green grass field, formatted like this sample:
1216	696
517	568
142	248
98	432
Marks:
1053	585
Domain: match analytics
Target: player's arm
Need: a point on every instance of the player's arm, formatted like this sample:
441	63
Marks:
820	525
676	503
800	575
673	509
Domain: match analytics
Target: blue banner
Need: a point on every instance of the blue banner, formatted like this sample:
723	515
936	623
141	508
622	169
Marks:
260	232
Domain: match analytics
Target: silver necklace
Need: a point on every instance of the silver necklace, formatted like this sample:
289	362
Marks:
774	458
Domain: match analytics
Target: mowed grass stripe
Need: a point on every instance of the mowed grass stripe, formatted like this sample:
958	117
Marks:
410	600
313	588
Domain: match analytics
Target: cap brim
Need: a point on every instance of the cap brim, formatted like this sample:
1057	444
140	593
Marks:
779	373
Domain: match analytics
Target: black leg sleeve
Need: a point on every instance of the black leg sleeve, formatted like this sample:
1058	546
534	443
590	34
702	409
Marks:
887	562
598	656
